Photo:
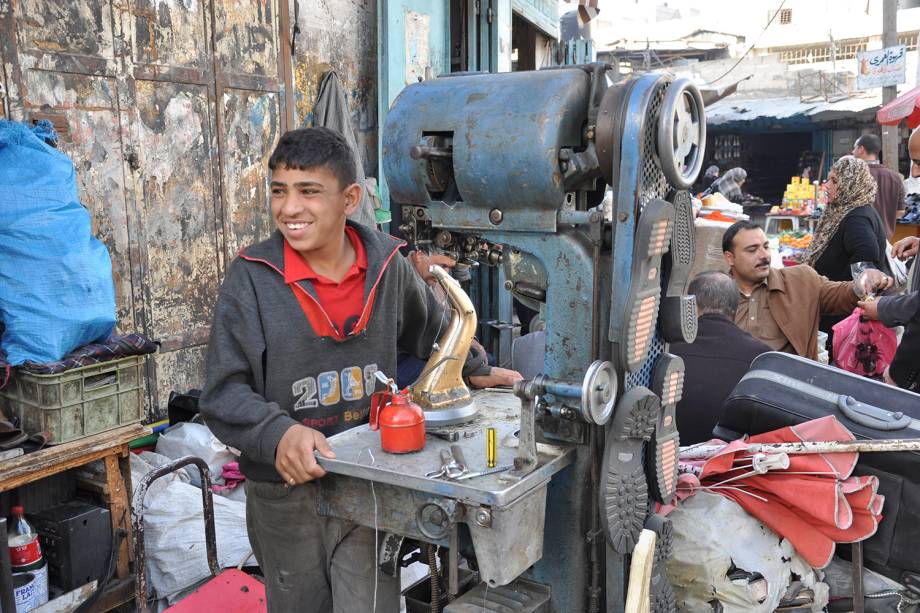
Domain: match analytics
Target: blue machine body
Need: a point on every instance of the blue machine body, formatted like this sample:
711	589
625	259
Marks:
505	133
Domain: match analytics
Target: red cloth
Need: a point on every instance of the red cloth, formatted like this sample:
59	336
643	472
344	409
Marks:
341	302
232	477
814	511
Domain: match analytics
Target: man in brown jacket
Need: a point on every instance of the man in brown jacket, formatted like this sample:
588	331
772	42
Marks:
782	307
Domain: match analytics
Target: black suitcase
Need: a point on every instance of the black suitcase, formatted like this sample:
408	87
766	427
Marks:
782	390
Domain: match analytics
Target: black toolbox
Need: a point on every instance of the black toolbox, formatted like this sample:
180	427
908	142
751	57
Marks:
76	540
783	390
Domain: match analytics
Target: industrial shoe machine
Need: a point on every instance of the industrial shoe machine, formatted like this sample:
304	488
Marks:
532	499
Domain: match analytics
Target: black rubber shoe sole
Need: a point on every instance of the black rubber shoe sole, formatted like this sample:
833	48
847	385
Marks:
653	236
664	538
662	598
668	383
624	489
662	595
677	320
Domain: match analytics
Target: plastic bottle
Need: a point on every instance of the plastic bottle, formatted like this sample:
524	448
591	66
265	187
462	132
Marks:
26	554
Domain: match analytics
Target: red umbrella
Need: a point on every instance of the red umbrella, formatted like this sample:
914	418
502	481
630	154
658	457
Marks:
811	499
906	105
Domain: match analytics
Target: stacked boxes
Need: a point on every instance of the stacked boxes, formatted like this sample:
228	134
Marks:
800	194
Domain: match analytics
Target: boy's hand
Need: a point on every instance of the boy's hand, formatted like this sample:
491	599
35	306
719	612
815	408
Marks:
870	308
497	377
294	456
906	247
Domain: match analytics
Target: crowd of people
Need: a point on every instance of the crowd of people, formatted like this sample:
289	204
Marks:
757	308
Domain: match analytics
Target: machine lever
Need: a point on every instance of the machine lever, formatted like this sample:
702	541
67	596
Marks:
418	152
526	460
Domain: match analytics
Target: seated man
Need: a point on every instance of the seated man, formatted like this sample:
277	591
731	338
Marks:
714	363
782	307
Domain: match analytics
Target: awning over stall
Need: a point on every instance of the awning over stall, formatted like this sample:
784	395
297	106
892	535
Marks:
907	105
786	111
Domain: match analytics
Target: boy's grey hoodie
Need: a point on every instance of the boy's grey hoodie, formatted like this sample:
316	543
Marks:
267	369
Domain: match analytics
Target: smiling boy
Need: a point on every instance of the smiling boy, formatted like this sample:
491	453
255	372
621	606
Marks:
302	323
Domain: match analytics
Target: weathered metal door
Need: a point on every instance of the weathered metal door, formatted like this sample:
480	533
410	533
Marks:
169	109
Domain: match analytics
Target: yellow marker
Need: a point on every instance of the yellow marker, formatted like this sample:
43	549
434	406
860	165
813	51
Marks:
490	447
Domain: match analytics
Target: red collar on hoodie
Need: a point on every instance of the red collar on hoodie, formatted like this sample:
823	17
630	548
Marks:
318	317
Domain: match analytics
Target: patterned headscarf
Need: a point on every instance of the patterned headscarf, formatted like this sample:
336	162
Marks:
730	184
855	188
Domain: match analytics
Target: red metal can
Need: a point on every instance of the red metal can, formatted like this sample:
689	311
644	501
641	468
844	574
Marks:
401	422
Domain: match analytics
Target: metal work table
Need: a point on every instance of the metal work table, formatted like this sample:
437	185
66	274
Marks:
390	492
358	454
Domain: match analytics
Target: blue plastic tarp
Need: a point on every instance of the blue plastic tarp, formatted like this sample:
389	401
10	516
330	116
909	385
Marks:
56	289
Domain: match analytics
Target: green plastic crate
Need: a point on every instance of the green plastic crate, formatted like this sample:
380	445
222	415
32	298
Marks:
81	401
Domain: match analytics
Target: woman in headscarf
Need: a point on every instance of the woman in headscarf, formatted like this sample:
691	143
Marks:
709	177
729	185
850	230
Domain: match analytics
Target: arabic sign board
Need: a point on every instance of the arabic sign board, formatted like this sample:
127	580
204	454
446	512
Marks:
882	67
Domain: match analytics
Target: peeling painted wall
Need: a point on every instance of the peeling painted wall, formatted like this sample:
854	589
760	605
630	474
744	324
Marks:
340	35
170	138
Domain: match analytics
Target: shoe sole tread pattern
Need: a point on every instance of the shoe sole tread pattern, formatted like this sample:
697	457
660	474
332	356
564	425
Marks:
667	383
653	236
624	487
678	311
663	599
682	248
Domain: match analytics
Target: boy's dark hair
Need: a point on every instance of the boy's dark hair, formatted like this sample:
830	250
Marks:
305	148
736	227
871	143
715	292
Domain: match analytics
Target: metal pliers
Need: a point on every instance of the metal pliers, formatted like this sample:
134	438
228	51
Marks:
453	464
454	468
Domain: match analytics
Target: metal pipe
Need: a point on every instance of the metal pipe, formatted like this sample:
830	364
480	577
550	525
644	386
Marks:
453	565
137	521
417	152
706	451
560	388
576	218
859	599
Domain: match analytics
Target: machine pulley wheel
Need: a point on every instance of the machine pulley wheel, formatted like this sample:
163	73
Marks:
681	133
599	392
610	117
433	521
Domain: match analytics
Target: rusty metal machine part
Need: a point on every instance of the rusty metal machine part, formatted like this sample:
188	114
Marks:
440	390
